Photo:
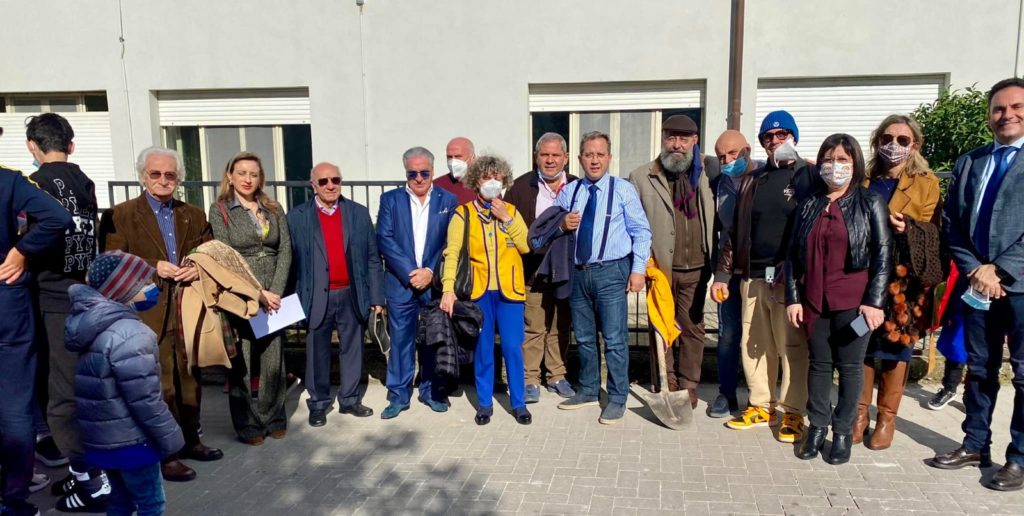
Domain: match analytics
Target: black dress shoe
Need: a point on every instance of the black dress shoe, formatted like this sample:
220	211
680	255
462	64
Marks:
357	410
522	415
483	415
1009	478
317	417
812	444
961	458
202	453
840	452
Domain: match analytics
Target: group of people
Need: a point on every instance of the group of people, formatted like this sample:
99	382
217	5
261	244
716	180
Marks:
816	266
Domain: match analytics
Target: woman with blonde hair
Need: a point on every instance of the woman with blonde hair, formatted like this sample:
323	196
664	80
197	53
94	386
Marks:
255	225
496	241
900	175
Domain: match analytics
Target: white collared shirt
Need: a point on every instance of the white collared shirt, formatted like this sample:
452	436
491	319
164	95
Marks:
545	195
420	222
327	210
990	166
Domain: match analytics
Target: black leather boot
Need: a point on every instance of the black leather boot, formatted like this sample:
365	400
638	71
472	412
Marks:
840	453
811	445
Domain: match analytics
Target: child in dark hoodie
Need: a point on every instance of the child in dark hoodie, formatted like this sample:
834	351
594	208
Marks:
126	427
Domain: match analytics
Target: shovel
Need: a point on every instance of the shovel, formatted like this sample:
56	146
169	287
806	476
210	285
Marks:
673	409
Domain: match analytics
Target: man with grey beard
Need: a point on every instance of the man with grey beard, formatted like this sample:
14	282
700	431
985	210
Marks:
675	191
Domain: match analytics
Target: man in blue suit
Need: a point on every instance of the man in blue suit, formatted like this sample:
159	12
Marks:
984	225
338	280
411	228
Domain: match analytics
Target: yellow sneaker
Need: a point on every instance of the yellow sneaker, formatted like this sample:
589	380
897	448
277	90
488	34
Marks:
792	428
752	417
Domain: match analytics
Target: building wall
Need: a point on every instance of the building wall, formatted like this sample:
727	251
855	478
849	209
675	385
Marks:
397	74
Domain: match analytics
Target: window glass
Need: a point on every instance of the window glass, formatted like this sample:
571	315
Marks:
63	105
298	160
3	105
260	141
27	104
634	140
96	102
595	122
222	143
549	123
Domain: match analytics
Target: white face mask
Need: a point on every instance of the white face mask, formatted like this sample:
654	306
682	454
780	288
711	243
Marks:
457	167
785	152
556	177
490	189
836	175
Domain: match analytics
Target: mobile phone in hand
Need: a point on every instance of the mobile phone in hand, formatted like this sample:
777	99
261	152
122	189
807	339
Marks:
860	325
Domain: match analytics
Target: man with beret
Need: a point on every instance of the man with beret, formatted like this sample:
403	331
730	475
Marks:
675	191
755	248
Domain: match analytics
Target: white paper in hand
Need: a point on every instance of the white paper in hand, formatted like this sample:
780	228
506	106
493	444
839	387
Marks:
264	324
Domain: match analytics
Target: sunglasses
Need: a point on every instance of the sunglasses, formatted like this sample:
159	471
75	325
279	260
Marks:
411	174
170	176
903	140
324	180
775	135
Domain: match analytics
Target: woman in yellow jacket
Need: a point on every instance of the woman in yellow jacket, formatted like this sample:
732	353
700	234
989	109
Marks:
497	241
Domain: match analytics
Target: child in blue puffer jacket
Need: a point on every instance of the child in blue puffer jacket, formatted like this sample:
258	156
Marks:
125	425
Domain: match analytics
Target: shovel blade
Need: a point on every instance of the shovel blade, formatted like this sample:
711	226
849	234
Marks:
673	409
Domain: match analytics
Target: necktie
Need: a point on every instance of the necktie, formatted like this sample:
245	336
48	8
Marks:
585	235
988	199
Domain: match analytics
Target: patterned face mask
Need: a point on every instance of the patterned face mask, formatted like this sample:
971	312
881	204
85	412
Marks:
893	153
836	175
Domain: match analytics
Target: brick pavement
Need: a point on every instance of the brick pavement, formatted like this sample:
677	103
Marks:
567	463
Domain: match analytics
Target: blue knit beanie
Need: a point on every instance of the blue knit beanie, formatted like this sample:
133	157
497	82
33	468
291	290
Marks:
779	120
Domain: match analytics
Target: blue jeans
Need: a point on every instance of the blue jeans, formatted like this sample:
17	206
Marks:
17	377
599	293
983	334
402	319
730	331
133	490
509	317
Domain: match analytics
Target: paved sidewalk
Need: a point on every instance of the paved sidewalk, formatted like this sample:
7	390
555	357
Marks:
567	463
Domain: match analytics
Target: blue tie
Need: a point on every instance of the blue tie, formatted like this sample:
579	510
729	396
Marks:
585	236
988	199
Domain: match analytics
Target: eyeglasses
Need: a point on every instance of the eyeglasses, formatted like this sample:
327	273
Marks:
903	140
324	180
771	136
156	175
411	174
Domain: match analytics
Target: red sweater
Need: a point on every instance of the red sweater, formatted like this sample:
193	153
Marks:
334	240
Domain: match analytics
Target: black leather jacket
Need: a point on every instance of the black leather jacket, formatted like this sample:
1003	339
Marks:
867	221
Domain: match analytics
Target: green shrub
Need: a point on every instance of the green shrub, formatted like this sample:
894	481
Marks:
954	124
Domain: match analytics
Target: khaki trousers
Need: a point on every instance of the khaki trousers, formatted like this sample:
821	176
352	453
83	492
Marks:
768	338
548	327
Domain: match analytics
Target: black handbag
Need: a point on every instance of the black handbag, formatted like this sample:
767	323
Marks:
463	272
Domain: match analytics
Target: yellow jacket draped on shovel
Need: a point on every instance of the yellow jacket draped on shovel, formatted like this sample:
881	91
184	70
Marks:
661	308
225	285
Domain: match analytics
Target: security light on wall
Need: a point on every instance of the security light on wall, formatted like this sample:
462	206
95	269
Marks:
360	2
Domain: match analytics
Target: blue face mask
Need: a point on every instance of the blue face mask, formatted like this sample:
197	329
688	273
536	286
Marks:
736	168
152	294
36	164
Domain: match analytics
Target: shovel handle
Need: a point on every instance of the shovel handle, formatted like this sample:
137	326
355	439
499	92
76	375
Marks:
662	373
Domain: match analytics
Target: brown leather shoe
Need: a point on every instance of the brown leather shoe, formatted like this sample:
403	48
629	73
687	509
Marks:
177	471
202	453
961	458
1009	478
253	441
278	434
890	392
860	425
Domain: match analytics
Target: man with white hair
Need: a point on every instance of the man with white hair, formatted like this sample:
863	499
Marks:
162	230
339	281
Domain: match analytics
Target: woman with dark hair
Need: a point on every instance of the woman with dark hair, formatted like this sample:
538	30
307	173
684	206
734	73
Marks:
497	241
899	174
837	268
255	225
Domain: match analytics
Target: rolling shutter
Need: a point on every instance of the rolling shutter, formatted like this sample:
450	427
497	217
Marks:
92	147
234	108
613	97
855	106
